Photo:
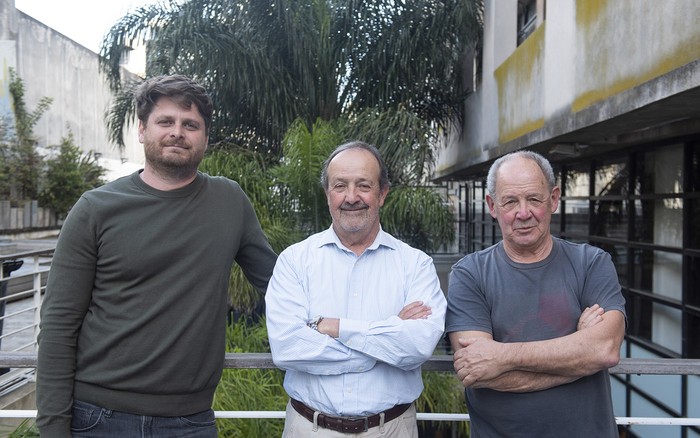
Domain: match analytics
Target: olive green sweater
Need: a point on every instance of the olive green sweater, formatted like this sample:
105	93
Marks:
135	309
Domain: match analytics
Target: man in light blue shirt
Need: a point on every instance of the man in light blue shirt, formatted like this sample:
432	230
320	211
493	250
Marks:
352	312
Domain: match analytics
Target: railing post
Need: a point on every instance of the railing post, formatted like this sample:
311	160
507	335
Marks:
8	266
37	299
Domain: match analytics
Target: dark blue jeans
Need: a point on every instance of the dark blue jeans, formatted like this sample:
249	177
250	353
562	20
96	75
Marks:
93	421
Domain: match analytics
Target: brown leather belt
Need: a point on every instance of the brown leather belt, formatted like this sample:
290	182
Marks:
348	424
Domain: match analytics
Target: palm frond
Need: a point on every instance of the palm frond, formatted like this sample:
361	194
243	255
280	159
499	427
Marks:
270	63
419	216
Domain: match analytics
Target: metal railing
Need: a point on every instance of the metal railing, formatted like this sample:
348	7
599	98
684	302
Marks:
22	286
20	356
24	360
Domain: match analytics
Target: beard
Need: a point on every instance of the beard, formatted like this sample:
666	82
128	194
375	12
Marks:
353	218
170	165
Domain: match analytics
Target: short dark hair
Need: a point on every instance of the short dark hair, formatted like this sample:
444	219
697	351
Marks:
356	144
179	88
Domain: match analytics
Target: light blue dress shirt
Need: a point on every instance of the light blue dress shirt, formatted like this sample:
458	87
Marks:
375	362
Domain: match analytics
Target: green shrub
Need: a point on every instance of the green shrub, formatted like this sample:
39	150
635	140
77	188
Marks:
250	389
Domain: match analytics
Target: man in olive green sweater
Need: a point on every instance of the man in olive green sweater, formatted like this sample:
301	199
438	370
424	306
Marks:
133	323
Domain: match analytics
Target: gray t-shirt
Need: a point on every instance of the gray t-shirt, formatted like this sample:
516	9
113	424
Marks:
517	302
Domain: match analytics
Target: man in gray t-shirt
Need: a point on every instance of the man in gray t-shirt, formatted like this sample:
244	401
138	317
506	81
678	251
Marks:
534	321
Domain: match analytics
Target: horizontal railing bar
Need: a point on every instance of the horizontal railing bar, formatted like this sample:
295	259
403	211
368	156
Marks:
435	363
421	416
19	330
25	346
30	253
19	312
17	295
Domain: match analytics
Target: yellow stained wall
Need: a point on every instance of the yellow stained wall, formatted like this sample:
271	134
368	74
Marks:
625	43
520	80
618	44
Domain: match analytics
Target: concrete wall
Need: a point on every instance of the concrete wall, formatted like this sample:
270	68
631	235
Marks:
585	54
52	65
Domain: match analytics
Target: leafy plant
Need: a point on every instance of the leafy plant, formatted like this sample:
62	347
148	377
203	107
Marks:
68	175
299	171
443	392
250	389
270	63
21	162
26	429
419	216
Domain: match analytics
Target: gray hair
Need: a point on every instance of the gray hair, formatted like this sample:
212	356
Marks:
541	161
383	171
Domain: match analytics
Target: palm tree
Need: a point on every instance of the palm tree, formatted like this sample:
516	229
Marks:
270	63
416	214
290	79
298	172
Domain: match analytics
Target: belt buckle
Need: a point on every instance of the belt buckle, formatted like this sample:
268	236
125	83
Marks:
365	420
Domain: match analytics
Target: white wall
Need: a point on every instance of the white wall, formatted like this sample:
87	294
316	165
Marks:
583	55
52	65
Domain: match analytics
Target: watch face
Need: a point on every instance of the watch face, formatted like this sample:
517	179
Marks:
314	322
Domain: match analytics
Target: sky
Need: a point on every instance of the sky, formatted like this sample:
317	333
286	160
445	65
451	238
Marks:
84	21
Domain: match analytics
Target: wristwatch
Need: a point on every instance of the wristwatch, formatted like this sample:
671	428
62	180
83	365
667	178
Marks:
313	323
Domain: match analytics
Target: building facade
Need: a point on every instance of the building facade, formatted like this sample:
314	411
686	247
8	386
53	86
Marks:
52	65
609	91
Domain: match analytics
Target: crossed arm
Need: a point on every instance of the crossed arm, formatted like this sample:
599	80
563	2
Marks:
414	310
481	362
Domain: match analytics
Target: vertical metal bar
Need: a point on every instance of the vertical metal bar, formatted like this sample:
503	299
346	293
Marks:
37	299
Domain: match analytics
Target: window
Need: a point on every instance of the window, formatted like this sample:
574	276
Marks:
609	216
575	200
483	229
527	18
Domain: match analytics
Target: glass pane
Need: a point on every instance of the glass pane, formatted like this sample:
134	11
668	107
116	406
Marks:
477	234
639	312
668	279
557	176
611	180
693	289
658	272
642	272
576	213
610	219
577	182
478	210
693	337
488	232
555	224
694	226
643	230
694	163
666	327
660	171
659	221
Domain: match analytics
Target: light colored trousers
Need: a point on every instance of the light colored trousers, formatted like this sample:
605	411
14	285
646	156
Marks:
405	426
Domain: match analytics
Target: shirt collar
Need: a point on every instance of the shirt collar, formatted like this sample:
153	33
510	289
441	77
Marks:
330	237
